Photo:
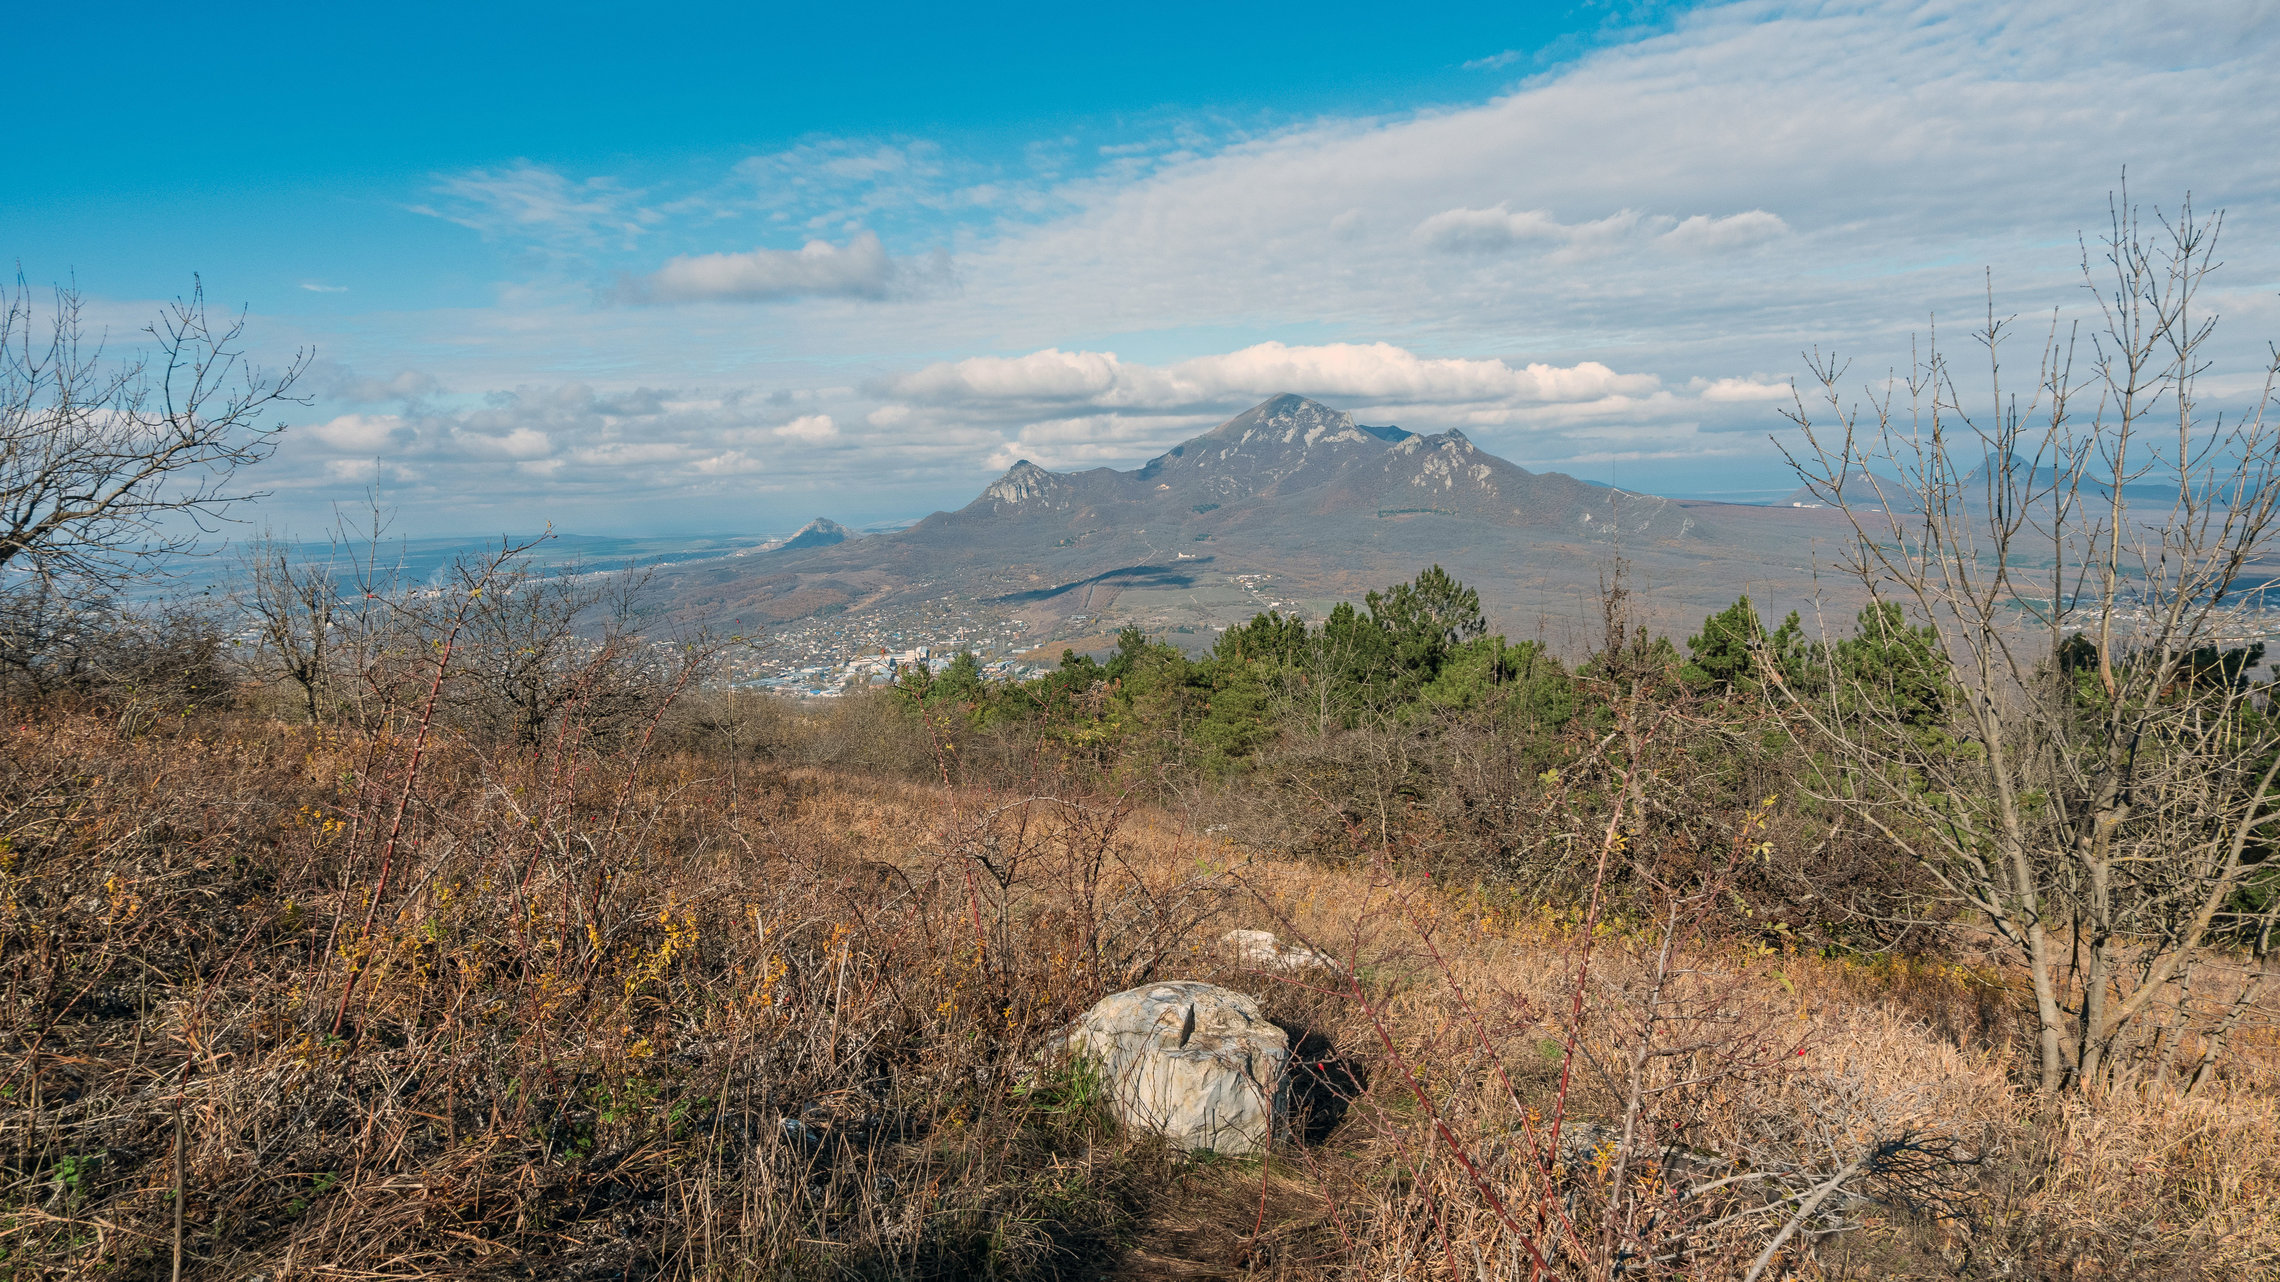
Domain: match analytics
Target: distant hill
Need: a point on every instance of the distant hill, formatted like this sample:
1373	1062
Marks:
822	532
1290	503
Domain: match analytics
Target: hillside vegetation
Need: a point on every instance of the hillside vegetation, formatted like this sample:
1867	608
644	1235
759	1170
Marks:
661	981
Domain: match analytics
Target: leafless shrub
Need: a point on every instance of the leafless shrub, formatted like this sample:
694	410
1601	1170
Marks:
106	464
299	606
2090	769
155	660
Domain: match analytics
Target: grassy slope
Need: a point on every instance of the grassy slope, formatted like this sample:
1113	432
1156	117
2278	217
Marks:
718	1021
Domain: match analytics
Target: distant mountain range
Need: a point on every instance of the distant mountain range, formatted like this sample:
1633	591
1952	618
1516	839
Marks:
1290	504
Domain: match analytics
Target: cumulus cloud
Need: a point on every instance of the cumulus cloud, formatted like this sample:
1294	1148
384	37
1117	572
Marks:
1741	390
1472	231
575	439
1049	375
814	429
1348	373
359	433
861	268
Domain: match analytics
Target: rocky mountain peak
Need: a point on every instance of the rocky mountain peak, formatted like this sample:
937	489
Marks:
1273	438
1024	484
820	532
1287	420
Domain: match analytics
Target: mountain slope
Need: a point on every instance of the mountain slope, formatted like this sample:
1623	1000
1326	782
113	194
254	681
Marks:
1291	501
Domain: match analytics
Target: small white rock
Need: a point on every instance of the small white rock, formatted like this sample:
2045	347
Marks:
1259	948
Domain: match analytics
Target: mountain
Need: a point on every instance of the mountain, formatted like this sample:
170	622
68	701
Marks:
1287	460
822	532
1289	504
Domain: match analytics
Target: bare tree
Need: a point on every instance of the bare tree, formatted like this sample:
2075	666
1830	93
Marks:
334	619
292	600
2098	781
108	462
49	638
540	647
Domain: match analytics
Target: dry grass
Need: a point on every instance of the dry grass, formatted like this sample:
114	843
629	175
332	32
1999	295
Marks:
591	1016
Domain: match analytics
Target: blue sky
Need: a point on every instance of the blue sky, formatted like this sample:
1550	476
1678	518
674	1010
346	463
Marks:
722	269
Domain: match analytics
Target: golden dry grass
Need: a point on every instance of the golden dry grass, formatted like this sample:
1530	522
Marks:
690	1020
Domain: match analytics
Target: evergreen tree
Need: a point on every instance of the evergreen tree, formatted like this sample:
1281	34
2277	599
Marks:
1899	667
1268	638
1724	658
960	683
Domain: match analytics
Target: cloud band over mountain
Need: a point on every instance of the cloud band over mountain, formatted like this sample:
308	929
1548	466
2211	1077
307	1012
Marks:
1363	373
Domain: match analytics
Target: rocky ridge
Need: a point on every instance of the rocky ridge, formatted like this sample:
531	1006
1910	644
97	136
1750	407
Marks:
1290	504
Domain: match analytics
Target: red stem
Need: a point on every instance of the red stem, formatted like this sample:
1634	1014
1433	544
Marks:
403	803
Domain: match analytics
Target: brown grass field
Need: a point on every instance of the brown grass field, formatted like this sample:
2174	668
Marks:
283	1002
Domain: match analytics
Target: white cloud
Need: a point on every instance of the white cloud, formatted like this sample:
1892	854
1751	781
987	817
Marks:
812	429
573	439
359	433
861	268
1741	390
1346	373
1903	144
1496	229
1702	233
731	463
519	444
1463	231
1050	375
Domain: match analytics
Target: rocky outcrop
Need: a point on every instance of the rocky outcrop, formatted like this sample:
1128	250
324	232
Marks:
1193	1062
1026	487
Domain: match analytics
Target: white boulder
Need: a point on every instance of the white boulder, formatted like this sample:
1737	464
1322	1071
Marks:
1193	1062
1261	950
